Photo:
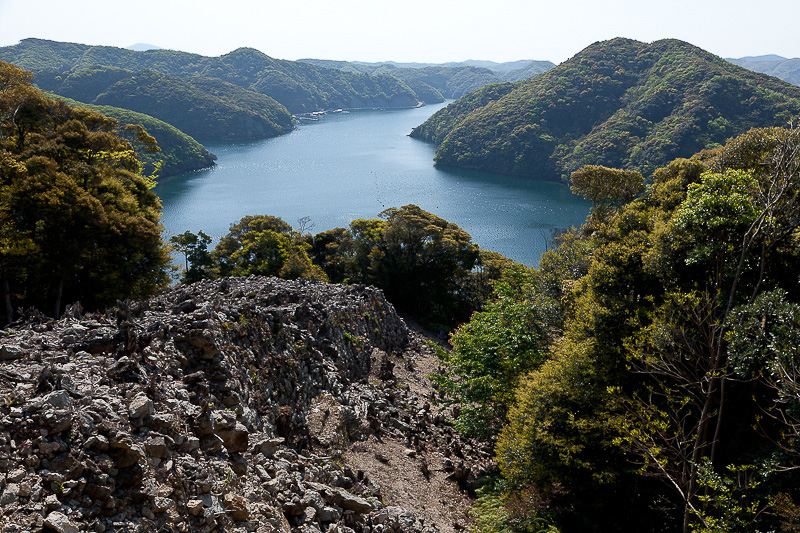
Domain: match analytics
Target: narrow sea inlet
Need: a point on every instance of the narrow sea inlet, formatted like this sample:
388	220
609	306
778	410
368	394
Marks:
353	165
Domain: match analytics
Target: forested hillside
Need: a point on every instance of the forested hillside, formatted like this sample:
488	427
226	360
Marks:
527	71
619	103
300	87
432	84
452	82
179	152
205	108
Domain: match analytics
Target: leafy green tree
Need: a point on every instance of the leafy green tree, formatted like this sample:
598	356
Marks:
672	392
264	245
607	188
494	348
717	251
78	220
421	263
333	250
198	261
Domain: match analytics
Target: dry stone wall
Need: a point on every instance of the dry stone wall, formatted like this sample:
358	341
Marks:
200	410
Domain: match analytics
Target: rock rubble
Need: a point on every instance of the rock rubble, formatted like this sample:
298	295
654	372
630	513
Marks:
220	406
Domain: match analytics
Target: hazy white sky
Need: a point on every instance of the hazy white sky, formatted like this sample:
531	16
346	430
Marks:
408	30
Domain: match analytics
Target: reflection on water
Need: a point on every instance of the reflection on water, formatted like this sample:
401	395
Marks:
355	165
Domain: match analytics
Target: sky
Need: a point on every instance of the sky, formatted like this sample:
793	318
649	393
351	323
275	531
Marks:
433	31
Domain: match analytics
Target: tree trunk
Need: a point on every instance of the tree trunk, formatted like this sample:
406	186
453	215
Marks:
59	293
7	300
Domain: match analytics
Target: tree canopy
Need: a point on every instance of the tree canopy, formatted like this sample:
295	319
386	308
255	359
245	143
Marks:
78	220
427	266
667	396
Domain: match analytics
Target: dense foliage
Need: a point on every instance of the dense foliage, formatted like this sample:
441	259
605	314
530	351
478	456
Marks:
451	82
179	152
300	87
427	266
204	108
618	103
78	221
664	394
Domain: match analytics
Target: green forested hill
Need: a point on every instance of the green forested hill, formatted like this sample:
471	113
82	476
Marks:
299	86
205	108
179	152
619	103
528	71
448	118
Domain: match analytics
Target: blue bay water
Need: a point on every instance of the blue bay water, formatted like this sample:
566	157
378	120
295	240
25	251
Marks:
355	165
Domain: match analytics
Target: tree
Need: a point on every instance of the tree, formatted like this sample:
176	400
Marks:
78	220
422	262
673	390
607	188
198	261
494	348
728	239
264	245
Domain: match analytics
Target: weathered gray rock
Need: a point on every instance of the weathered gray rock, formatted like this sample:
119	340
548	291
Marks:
15	476
353	503
128	452
327	515
162	505
195	507
140	407
236	506
51	502
10	494
269	446
59	522
213	504
10	352
165	414
59	399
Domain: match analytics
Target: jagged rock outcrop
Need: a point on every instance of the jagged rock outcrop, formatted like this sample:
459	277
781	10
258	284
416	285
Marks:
219	406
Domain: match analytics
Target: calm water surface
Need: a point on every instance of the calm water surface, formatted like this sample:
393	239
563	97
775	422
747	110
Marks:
355	165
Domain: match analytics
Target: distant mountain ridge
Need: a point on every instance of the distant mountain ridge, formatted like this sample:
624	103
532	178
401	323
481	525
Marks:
142	47
300	87
774	65
434	82
619	103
